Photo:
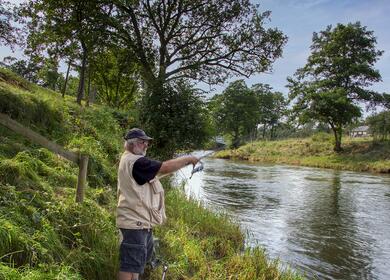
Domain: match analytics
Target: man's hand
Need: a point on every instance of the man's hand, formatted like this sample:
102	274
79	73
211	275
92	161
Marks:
193	160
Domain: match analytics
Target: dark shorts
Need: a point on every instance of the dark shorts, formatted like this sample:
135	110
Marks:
136	249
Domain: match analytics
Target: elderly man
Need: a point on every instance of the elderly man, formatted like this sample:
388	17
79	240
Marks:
140	201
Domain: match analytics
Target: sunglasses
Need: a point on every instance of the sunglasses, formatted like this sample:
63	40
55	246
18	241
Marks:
145	142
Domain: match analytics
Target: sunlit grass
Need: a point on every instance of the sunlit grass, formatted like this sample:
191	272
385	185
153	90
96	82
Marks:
359	154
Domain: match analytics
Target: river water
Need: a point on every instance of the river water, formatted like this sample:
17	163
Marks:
324	223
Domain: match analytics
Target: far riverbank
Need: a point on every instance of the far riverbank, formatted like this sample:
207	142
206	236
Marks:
359	154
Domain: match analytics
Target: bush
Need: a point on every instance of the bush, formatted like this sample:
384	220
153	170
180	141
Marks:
321	137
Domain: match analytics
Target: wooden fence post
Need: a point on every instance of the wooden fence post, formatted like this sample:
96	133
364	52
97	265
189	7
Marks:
81	160
83	167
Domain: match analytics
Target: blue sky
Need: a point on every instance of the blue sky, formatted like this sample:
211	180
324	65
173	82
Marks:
298	19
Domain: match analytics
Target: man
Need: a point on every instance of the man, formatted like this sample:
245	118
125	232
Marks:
140	201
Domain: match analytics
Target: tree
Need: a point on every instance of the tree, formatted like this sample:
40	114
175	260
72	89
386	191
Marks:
49	75
236	111
115	76
39	70
335	78
204	40
380	125
272	107
69	28
184	120
8	33
28	69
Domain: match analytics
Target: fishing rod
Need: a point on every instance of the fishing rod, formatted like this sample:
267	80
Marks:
195	169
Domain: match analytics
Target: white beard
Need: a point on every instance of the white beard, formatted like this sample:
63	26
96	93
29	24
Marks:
138	151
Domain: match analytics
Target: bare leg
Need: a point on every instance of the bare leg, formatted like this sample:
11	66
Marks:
128	276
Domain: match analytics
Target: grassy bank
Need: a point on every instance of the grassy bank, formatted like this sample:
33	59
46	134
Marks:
359	154
44	234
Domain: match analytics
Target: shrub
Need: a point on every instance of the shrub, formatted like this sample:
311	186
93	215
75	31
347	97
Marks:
321	137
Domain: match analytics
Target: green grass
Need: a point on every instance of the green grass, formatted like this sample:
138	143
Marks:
359	154
44	234
198	244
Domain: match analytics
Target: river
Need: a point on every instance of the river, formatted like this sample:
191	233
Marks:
326	224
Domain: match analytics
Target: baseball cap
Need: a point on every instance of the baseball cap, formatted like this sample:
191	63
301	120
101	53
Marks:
137	133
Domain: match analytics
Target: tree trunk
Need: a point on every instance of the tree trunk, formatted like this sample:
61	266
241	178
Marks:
66	79
337	131
89	86
236	140
118	82
92	95
80	92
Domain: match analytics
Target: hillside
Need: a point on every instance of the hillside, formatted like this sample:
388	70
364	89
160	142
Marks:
44	234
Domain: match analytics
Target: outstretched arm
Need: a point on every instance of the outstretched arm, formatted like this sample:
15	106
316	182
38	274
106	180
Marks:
175	164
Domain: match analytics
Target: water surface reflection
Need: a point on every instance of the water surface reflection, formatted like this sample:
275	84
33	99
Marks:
328	224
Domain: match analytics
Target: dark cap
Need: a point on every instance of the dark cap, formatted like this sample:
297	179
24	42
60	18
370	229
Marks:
137	133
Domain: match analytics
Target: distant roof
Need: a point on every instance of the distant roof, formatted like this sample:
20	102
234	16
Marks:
361	128
219	139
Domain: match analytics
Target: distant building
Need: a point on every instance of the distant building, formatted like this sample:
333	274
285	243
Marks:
361	131
219	141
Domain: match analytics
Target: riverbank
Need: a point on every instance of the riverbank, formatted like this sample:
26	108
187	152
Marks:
359	154
45	235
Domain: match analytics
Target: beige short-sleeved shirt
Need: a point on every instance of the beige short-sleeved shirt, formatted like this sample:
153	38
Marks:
139	206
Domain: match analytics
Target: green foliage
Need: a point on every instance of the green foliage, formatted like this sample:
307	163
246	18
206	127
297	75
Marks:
239	111
176	116
52	272
167	42
380	125
329	87
271	106
8	30
32	110
321	137
9	77
74	36
36	69
197	244
115	78
44	229
236	111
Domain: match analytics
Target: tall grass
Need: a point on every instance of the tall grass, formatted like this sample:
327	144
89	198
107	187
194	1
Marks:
198	244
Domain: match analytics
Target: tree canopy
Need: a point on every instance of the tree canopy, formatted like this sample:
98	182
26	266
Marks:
271	106
336	77
9	33
380	125
69	28
183	124
204	40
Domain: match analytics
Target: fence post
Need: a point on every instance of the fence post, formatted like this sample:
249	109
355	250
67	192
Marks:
81	160
83	167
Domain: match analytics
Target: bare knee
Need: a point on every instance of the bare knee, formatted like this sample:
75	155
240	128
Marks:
128	276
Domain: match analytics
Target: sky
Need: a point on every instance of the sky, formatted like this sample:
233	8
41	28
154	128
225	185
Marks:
298	19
